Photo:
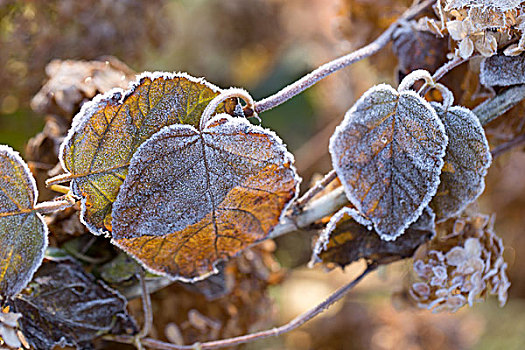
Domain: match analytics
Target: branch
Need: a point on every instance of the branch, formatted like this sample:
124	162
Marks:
52	206
317	210
318	187
440	73
293	324
337	64
146	305
500	104
498	151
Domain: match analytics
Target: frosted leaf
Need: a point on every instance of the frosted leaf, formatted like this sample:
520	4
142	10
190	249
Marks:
466	161
388	153
347	238
108	130
67	307
23	233
193	198
501	70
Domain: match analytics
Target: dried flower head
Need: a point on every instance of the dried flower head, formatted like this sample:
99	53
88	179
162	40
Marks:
463	264
10	336
481	26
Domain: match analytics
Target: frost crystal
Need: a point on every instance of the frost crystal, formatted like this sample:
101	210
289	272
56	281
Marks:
462	265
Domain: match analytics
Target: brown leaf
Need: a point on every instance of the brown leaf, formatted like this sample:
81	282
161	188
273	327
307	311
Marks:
348	237
418	49
193	198
108	130
73	82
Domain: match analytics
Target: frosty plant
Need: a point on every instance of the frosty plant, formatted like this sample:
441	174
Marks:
173	174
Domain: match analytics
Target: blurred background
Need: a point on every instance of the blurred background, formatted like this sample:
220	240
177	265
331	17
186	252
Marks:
263	45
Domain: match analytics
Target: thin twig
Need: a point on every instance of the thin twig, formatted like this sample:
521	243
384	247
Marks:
293	324
318	187
146	309
447	67
146	304
60	189
492	108
52	206
337	64
223	96
440	73
313	212
518	141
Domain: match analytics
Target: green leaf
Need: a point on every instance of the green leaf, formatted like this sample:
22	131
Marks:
108	130
23	233
388	153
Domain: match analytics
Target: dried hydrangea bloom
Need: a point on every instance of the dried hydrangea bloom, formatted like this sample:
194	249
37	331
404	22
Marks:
462	265
9	333
481	26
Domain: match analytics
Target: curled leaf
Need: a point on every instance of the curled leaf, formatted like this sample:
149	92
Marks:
65	306
388	153
348	238
23	233
418	49
108	130
466	161
193	198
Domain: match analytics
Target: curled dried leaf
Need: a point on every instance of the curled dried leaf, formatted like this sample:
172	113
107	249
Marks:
23	232
65	306
193	198
348	237
388	153
418	49
73	82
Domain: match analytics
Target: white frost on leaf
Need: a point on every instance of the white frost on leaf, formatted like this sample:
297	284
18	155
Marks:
233	179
